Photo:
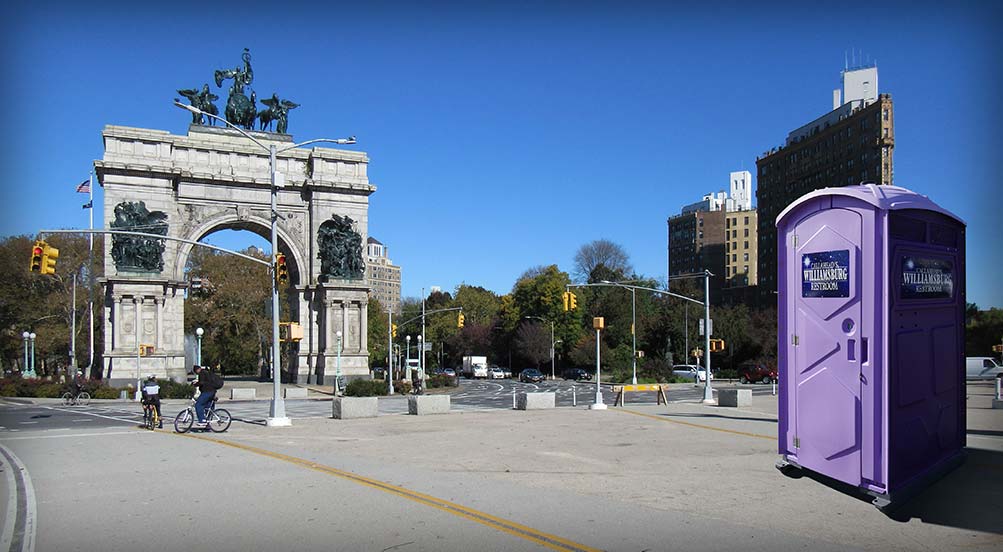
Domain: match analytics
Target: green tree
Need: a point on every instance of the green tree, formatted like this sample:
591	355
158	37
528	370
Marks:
540	296
232	308
42	304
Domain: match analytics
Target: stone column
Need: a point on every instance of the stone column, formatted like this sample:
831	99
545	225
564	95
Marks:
117	322
363	321
157	337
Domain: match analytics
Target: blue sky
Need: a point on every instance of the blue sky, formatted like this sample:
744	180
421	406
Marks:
504	135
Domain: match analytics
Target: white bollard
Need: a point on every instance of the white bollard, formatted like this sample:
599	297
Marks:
774	388
574	396
513	399
999	382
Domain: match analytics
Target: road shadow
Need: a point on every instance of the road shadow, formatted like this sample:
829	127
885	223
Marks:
968	497
720	417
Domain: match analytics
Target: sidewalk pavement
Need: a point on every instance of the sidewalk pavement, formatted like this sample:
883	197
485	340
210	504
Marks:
712	462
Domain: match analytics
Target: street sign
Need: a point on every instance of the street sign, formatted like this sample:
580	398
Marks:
697	353
146	350
711	326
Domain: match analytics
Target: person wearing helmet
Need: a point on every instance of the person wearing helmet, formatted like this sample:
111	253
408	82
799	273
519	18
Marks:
151	396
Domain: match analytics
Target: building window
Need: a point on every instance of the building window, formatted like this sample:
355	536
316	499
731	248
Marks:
734	257
746	260
746	220
747	244
746	269
734	245
746	232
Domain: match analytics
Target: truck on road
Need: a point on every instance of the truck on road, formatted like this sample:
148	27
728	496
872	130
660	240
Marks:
475	367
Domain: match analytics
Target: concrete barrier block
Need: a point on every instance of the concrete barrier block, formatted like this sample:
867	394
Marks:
243	393
347	408
997	403
294	392
420	405
535	401
734	397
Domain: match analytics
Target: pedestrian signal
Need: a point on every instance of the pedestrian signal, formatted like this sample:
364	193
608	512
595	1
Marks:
49	256
281	270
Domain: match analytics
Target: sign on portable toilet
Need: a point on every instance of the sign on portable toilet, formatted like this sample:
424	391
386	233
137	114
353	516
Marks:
871	306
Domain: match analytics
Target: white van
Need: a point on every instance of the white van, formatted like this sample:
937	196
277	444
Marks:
981	368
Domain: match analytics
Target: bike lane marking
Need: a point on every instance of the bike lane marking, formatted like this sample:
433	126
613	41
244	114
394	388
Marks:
506	526
19	529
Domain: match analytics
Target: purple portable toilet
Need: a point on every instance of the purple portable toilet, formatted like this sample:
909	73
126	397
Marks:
871	331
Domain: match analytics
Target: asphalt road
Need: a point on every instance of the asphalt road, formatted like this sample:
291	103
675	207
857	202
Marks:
683	476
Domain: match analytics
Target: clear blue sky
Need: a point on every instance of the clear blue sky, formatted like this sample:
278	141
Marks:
504	135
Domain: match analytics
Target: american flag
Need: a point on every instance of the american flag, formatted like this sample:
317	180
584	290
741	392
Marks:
84	187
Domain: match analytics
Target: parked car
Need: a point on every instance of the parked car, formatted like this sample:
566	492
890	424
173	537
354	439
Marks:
449	372
981	368
697	373
756	371
531	375
576	374
495	373
508	373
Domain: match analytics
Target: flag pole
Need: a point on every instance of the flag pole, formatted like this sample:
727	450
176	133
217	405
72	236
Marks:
90	275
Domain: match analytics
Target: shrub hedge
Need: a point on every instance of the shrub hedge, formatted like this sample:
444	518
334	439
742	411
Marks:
366	388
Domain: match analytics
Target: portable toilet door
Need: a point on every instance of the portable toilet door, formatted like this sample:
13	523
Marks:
828	276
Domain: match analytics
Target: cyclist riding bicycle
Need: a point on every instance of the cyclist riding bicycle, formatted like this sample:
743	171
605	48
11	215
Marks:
206	383
77	385
151	396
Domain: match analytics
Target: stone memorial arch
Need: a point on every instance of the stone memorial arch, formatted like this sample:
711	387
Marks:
212	179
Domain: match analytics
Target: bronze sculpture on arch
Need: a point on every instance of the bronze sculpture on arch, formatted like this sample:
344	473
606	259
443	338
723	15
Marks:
278	110
201	100
240	109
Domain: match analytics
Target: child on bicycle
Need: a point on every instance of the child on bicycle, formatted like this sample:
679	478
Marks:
151	396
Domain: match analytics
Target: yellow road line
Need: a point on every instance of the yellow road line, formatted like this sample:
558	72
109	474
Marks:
507	526
701	426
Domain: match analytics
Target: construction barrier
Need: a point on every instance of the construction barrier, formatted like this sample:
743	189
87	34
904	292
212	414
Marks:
659	388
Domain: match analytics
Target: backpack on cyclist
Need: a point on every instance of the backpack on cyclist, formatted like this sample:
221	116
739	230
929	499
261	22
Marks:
216	381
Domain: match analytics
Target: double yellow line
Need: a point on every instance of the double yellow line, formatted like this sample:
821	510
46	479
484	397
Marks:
700	426
512	528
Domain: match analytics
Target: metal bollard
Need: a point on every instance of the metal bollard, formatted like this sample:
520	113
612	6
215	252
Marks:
999	383
774	388
513	399
574	396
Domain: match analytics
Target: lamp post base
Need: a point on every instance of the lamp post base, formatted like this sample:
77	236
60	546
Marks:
278	422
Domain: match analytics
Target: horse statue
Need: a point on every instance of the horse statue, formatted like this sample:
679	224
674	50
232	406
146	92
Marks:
278	110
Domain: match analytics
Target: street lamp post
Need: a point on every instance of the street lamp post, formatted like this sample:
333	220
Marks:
31	372
390	352
598	404
337	367
277	412
198	350
407	362
421	358
24	367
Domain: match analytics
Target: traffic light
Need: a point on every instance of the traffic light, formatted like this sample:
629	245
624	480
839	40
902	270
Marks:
393	330
459	320
572	301
36	257
998	348
716	345
49	256
281	270
566	299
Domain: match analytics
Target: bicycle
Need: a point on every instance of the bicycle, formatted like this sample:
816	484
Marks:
82	398
150	417
217	419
